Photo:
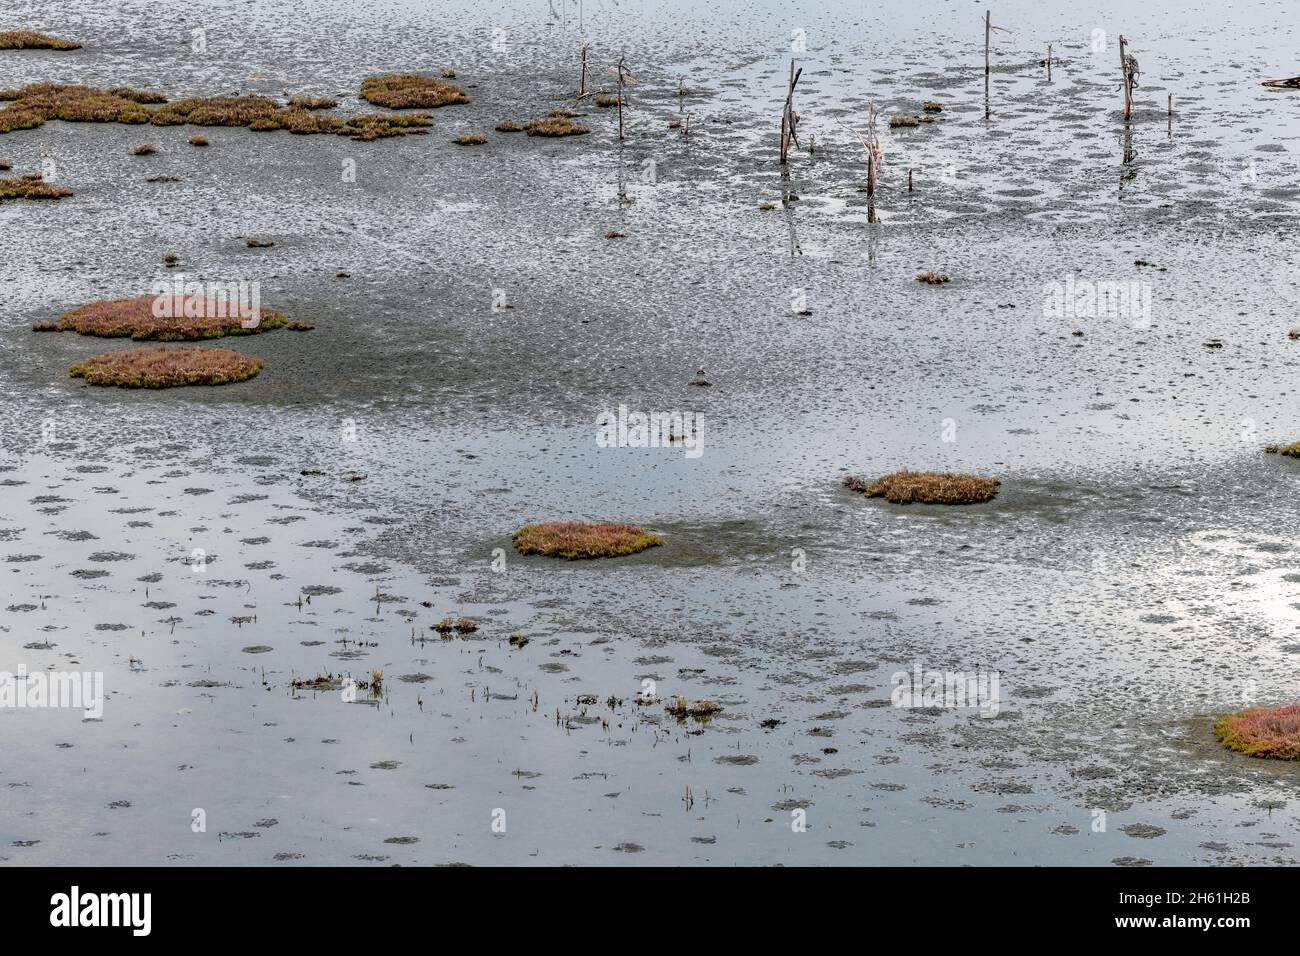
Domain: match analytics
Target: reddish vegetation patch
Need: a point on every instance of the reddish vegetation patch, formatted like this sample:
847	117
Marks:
166	366
31	40
31	187
582	539
34	104
554	126
169	318
927	487
401	90
1262	732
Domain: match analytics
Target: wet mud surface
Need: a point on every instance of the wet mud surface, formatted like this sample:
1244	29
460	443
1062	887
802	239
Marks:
1136	575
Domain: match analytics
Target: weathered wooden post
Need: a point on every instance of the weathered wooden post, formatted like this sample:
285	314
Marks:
988	34
620	97
582	86
1128	70
789	118
1049	63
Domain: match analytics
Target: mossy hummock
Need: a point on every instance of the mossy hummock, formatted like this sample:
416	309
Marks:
402	90
169	318
166	366
575	540
1271	732
927	487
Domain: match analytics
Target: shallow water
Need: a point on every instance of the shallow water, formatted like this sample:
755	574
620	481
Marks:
1136	575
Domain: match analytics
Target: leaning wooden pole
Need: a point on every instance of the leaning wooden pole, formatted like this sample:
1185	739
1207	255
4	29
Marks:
582	85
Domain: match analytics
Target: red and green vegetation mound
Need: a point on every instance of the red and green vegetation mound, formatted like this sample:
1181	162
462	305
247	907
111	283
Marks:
170	318
402	90
166	366
31	187
1272	732
927	487
31	40
38	102
582	539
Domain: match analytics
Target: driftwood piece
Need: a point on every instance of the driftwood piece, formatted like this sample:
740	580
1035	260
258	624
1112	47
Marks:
1289	83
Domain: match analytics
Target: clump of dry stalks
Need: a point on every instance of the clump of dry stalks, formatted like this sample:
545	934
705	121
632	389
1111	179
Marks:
927	487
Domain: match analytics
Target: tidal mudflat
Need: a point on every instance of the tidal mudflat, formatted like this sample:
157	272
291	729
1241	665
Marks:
260	570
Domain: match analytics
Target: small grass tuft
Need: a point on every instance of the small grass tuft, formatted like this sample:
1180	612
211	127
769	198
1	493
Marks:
615	234
574	540
517	640
554	126
1270	732
259	243
402	90
198	139
470	139
927	487
144	149
1291	451
31	187
509	126
932	278
166	366
606	100
701	710
931	106
904	119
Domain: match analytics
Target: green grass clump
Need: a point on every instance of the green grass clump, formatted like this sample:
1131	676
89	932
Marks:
402	90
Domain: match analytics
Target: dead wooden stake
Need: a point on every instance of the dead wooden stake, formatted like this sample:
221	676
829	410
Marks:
620	97
788	116
582	86
1049	63
686	129
909	180
988	32
1124	72
871	175
1171	104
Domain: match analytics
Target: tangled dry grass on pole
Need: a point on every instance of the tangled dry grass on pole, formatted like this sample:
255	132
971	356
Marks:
31	40
402	90
927	487
575	540
1271	732
166	366
186	318
31	187
554	126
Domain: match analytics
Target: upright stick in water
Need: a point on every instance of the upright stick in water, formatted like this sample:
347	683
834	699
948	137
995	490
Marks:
789	118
